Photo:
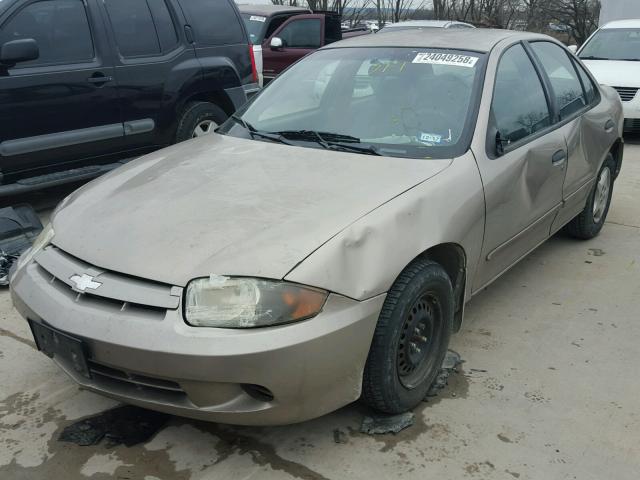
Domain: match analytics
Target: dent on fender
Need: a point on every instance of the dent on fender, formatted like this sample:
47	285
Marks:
447	208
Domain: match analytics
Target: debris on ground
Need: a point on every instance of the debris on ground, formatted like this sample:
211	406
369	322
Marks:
451	361
339	436
379	424
126	425
19	227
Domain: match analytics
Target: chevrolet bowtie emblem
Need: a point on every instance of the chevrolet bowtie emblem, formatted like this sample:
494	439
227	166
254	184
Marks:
84	282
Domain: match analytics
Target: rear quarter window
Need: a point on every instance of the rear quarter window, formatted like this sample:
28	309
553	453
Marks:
214	22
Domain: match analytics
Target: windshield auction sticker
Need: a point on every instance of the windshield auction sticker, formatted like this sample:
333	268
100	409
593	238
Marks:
455	60
256	18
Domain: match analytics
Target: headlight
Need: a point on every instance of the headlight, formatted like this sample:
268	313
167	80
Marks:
237	302
39	243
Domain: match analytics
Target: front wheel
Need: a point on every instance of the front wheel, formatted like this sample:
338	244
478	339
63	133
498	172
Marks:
591	220
410	339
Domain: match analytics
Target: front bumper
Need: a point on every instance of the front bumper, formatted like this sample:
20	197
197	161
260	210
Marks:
154	359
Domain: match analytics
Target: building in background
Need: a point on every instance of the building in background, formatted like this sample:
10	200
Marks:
618	10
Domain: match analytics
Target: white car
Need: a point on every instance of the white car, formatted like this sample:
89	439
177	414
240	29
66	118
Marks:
612	54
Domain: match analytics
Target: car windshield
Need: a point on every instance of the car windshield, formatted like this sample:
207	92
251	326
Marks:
255	27
405	102
613	44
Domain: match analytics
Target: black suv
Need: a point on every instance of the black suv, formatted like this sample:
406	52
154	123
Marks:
87	84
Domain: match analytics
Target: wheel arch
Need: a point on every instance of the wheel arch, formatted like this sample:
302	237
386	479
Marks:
217	97
617	152
453	259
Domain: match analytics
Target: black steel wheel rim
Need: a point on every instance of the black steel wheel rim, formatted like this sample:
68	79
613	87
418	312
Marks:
419	339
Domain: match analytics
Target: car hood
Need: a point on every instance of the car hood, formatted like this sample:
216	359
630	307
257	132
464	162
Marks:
615	73
226	206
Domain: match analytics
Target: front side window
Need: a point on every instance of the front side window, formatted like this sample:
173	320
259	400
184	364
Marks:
133	28
60	27
564	79
519	104
405	102
304	33
613	44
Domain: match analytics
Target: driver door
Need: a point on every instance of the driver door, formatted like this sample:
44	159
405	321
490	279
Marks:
300	35
62	106
523	185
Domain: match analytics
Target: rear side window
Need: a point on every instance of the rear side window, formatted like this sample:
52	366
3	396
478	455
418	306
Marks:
564	79
519	104
165	27
60	27
589	88
214	22
303	33
133	27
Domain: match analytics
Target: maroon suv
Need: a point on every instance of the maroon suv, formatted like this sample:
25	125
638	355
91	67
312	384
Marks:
289	33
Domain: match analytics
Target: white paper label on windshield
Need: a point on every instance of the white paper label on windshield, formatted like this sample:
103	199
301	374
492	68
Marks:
452	59
430	138
256	18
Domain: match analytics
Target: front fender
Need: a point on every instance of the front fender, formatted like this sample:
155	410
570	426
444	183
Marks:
364	259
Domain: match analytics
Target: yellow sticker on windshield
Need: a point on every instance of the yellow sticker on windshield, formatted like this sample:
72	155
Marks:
452	59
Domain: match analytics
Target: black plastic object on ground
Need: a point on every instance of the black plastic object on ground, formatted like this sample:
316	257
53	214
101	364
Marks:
126	425
19	226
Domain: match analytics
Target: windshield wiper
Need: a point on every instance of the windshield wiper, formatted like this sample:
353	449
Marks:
591	57
332	141
274	137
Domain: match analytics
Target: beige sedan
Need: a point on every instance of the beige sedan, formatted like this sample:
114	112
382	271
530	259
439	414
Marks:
320	247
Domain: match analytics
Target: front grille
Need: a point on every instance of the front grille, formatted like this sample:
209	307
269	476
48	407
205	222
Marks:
632	125
626	93
132	384
115	291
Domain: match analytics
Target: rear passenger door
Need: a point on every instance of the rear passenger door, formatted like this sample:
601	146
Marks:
581	122
300	35
62	106
523	183
222	48
149	52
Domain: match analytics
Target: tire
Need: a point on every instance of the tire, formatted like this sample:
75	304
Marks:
199	114
422	298
591	220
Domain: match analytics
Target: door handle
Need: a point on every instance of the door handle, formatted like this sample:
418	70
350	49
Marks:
98	79
559	158
609	125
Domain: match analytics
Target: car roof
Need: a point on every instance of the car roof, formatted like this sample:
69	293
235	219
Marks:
425	23
268	10
473	39
632	23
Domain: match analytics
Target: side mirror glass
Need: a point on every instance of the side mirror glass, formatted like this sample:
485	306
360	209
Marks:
573	48
276	43
17	51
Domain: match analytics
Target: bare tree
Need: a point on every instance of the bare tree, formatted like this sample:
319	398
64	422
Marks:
579	16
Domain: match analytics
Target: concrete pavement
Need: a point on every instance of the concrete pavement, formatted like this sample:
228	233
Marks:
549	390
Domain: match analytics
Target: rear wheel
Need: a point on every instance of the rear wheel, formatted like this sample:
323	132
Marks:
410	340
591	220
199	119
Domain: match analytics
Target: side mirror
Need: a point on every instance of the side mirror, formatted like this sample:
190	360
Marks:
17	51
501	142
573	48
276	43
